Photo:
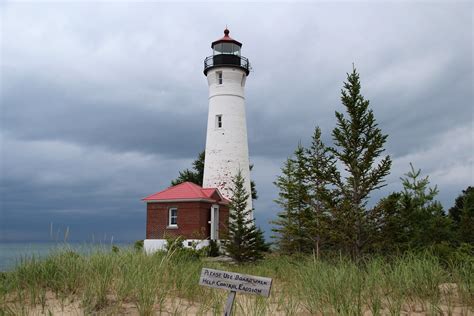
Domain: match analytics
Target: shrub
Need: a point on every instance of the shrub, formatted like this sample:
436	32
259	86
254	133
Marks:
213	250
138	245
174	243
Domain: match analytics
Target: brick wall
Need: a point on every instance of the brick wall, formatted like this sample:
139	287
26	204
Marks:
193	218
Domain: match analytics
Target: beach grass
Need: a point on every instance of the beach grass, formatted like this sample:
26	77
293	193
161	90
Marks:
129	281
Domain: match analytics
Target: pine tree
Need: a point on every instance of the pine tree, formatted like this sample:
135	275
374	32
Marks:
391	225
285	225
195	175
320	167
301	199
425	215
296	219
244	241
466	223
358	144
462	216
413	219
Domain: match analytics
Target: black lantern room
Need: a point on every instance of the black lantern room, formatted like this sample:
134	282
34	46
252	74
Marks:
226	52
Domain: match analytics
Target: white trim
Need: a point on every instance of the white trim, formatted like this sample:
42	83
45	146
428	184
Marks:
214	222
153	245
220	195
227	94
171	225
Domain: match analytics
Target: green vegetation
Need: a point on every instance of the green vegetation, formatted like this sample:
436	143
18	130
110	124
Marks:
243	242
324	194
325	190
462	216
411	219
195	175
111	283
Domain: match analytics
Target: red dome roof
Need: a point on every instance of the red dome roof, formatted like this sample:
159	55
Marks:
226	39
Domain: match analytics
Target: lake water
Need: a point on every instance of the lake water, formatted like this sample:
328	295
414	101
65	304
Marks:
12	252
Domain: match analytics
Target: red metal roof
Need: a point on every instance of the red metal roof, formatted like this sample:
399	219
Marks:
186	191
226	38
208	191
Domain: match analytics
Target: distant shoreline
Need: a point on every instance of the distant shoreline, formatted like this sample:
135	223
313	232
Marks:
11	252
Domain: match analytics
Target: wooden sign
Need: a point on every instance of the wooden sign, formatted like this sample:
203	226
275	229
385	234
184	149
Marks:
235	282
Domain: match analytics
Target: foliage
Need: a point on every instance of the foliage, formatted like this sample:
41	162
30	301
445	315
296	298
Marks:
196	175
138	245
167	283
358	145
320	166
285	227
213	249
174	243
321	203
243	241
462	215
260	244
413	219
292	225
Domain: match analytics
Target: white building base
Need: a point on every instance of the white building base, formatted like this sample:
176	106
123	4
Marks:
153	245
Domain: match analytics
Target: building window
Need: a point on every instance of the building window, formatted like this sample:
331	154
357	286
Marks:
219	121
242	82
173	217
219	77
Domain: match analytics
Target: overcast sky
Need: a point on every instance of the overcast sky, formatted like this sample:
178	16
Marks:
102	103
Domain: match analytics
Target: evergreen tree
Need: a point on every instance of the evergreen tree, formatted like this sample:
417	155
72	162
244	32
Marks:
413	219
358	144
391	225
286	227
462	216
296	218
320	167
466	225
260	244
196	175
305	216
426	220
244	241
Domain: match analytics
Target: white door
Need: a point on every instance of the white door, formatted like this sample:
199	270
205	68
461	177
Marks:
215	222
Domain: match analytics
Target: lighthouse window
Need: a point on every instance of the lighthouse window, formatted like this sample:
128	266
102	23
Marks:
219	121
219	77
217	49
173	217
226	49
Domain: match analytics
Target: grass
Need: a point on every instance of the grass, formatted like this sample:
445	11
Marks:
112	283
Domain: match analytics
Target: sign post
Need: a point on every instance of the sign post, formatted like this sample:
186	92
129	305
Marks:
229	303
235	282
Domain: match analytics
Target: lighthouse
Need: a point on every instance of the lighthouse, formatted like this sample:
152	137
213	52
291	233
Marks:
199	214
226	139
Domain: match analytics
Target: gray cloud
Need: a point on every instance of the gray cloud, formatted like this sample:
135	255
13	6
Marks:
103	103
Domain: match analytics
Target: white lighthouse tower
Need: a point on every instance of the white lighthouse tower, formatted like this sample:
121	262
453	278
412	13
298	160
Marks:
226	141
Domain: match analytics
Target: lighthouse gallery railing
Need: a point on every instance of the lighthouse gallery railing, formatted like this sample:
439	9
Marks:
227	60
